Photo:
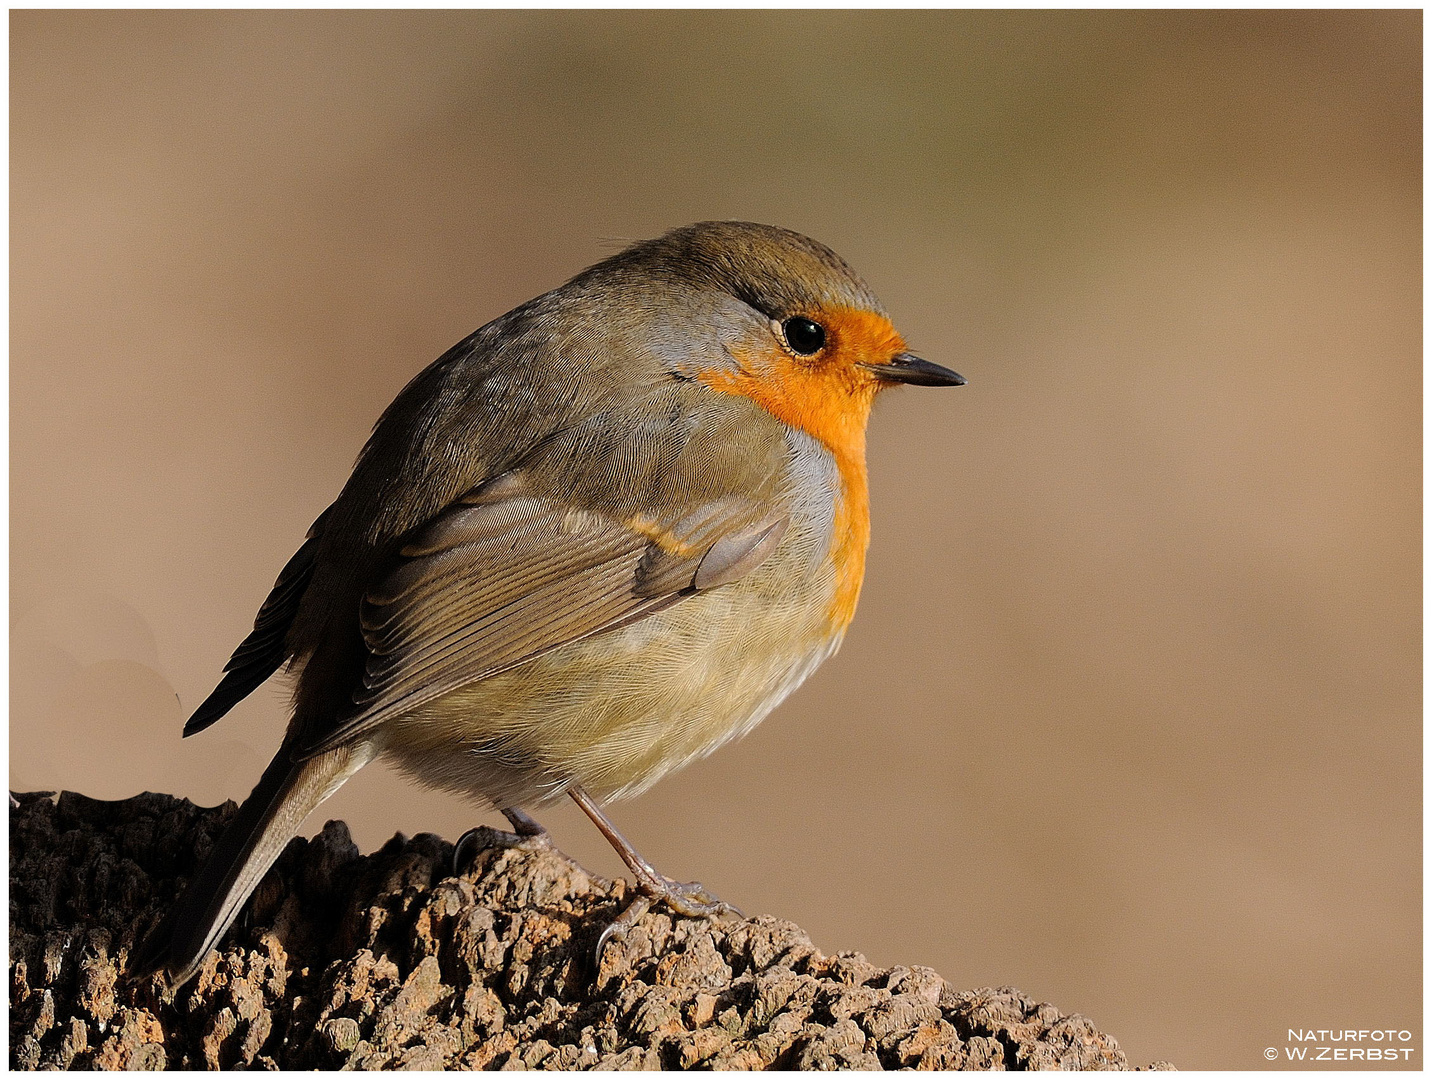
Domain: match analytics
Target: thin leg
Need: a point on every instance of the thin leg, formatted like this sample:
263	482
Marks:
527	833
522	823
685	898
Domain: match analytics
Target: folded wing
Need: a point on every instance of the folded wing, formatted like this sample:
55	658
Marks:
265	649
503	576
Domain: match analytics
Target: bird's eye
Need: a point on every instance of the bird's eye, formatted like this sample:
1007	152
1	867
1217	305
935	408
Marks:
803	336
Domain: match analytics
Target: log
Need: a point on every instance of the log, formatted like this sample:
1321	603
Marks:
389	960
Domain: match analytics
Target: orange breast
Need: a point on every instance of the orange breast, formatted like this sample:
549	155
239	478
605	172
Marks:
830	401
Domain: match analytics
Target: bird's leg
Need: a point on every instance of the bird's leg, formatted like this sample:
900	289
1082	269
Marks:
523	824
685	898
527	834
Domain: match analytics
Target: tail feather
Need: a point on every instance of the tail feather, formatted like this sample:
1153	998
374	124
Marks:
269	818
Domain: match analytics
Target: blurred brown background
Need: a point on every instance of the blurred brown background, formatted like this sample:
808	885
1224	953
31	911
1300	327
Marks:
1130	716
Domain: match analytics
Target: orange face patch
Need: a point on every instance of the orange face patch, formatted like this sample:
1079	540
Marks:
828	397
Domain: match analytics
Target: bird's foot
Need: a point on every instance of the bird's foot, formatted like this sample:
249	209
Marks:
526	835
688	898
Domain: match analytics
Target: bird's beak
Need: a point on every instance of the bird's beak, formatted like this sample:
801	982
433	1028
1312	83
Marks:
909	368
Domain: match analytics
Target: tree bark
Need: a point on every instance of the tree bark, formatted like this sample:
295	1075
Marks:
390	961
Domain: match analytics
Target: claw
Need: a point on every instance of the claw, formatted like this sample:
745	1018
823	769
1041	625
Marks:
527	835
689	899
620	925
461	856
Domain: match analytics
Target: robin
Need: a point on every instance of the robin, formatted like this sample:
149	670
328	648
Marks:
596	539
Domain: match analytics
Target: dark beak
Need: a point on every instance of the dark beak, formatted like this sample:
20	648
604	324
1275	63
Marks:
908	368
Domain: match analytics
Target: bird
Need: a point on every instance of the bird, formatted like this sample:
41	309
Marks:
601	536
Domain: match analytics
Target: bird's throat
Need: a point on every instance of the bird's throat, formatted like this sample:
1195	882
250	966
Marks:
834	411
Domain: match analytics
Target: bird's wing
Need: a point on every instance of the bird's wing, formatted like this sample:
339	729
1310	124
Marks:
504	575
260	654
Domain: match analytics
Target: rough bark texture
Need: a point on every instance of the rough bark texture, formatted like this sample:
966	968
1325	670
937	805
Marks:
390	961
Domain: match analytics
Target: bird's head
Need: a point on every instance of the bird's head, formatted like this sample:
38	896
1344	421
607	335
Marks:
777	317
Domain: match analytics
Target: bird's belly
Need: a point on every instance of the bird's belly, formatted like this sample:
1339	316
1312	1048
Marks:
617	711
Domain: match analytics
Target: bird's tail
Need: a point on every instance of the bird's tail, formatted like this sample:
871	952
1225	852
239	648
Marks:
269	818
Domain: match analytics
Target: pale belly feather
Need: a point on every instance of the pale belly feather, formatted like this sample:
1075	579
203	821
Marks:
616	712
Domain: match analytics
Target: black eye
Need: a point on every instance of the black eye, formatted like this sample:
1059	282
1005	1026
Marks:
804	336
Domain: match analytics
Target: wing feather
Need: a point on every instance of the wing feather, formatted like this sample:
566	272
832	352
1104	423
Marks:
483	588
265	649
